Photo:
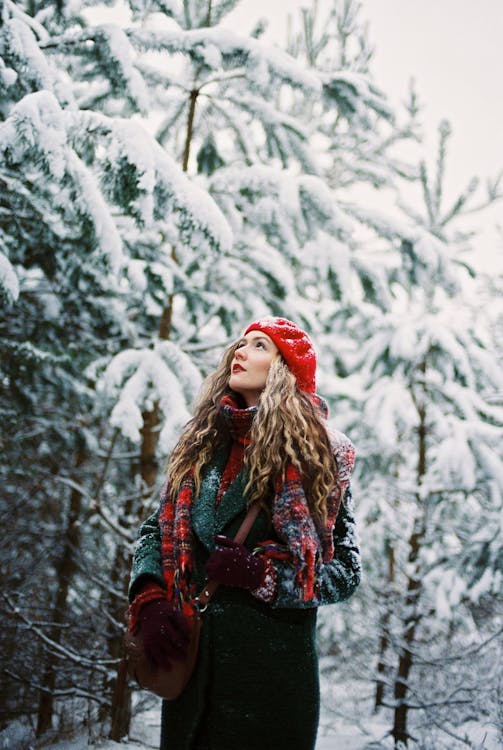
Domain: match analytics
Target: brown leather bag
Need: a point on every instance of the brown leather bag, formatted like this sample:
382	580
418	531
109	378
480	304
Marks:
170	682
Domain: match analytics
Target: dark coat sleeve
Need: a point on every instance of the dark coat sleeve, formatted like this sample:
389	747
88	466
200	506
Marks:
339	579
147	556
336	580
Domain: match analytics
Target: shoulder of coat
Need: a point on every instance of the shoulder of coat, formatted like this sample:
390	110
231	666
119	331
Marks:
338	439
344	452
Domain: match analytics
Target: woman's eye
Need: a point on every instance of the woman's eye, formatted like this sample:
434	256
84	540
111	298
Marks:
260	344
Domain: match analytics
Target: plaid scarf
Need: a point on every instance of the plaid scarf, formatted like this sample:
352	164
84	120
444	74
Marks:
301	543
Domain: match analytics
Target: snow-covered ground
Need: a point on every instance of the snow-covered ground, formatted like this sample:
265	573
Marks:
145	734
334	734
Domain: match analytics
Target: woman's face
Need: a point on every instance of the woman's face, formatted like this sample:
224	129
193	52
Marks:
250	365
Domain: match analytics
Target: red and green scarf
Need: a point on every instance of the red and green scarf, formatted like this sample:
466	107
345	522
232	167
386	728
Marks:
301	544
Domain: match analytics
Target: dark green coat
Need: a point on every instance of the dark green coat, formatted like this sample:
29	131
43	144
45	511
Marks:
256	683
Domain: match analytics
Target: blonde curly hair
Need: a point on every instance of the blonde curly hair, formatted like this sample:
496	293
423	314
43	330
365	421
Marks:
288	428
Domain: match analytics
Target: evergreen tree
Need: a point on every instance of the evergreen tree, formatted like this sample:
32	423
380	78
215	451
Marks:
79	188
430	470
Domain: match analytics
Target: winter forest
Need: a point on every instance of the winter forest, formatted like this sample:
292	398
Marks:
164	180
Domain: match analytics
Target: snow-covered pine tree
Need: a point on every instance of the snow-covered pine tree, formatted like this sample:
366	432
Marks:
58	248
358	133
355	136
77	187
430	471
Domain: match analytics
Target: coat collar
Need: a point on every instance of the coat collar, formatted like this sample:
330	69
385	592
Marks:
208	520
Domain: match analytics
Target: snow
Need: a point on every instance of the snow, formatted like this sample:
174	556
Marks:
157	169
123	55
211	44
37	121
21	42
335	733
9	284
94	204
389	406
8	76
454	461
140	379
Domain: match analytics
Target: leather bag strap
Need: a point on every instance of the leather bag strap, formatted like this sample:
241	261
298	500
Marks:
203	598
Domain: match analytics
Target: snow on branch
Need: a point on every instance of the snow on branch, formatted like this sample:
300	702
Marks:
70	692
141	378
37	128
354	93
61	652
121	55
191	211
18	38
96	507
296	196
9	284
217	48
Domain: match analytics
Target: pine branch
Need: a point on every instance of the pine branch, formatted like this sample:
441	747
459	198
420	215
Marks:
461	656
460	203
110	522
444	131
56	649
249	159
423	176
237	73
95	506
73	692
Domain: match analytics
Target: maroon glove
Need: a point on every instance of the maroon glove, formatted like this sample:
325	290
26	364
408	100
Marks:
233	565
164	632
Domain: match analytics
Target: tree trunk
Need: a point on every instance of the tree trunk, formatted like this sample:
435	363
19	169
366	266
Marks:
120	710
412	611
405	661
147	469
65	568
190	128
384	630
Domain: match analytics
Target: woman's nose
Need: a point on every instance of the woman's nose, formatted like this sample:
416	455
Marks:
240	353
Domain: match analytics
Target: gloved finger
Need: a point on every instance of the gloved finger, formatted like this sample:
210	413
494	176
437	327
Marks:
214	559
214	570
225	541
211	567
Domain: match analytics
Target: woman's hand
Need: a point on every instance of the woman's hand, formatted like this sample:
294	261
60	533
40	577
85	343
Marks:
233	565
164	632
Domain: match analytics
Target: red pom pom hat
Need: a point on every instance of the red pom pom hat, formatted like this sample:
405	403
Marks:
295	346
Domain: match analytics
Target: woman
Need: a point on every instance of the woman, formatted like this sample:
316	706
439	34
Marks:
258	433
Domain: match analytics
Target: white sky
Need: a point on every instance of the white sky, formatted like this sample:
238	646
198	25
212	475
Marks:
454	51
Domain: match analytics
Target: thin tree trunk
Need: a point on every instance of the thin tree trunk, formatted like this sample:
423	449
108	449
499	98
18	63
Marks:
65	569
120	713
147	469
190	128
384	630
120	710
412	613
405	661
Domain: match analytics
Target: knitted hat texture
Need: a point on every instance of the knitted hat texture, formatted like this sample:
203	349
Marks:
295	347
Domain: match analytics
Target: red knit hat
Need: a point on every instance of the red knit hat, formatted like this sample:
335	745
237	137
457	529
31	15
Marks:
295	346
